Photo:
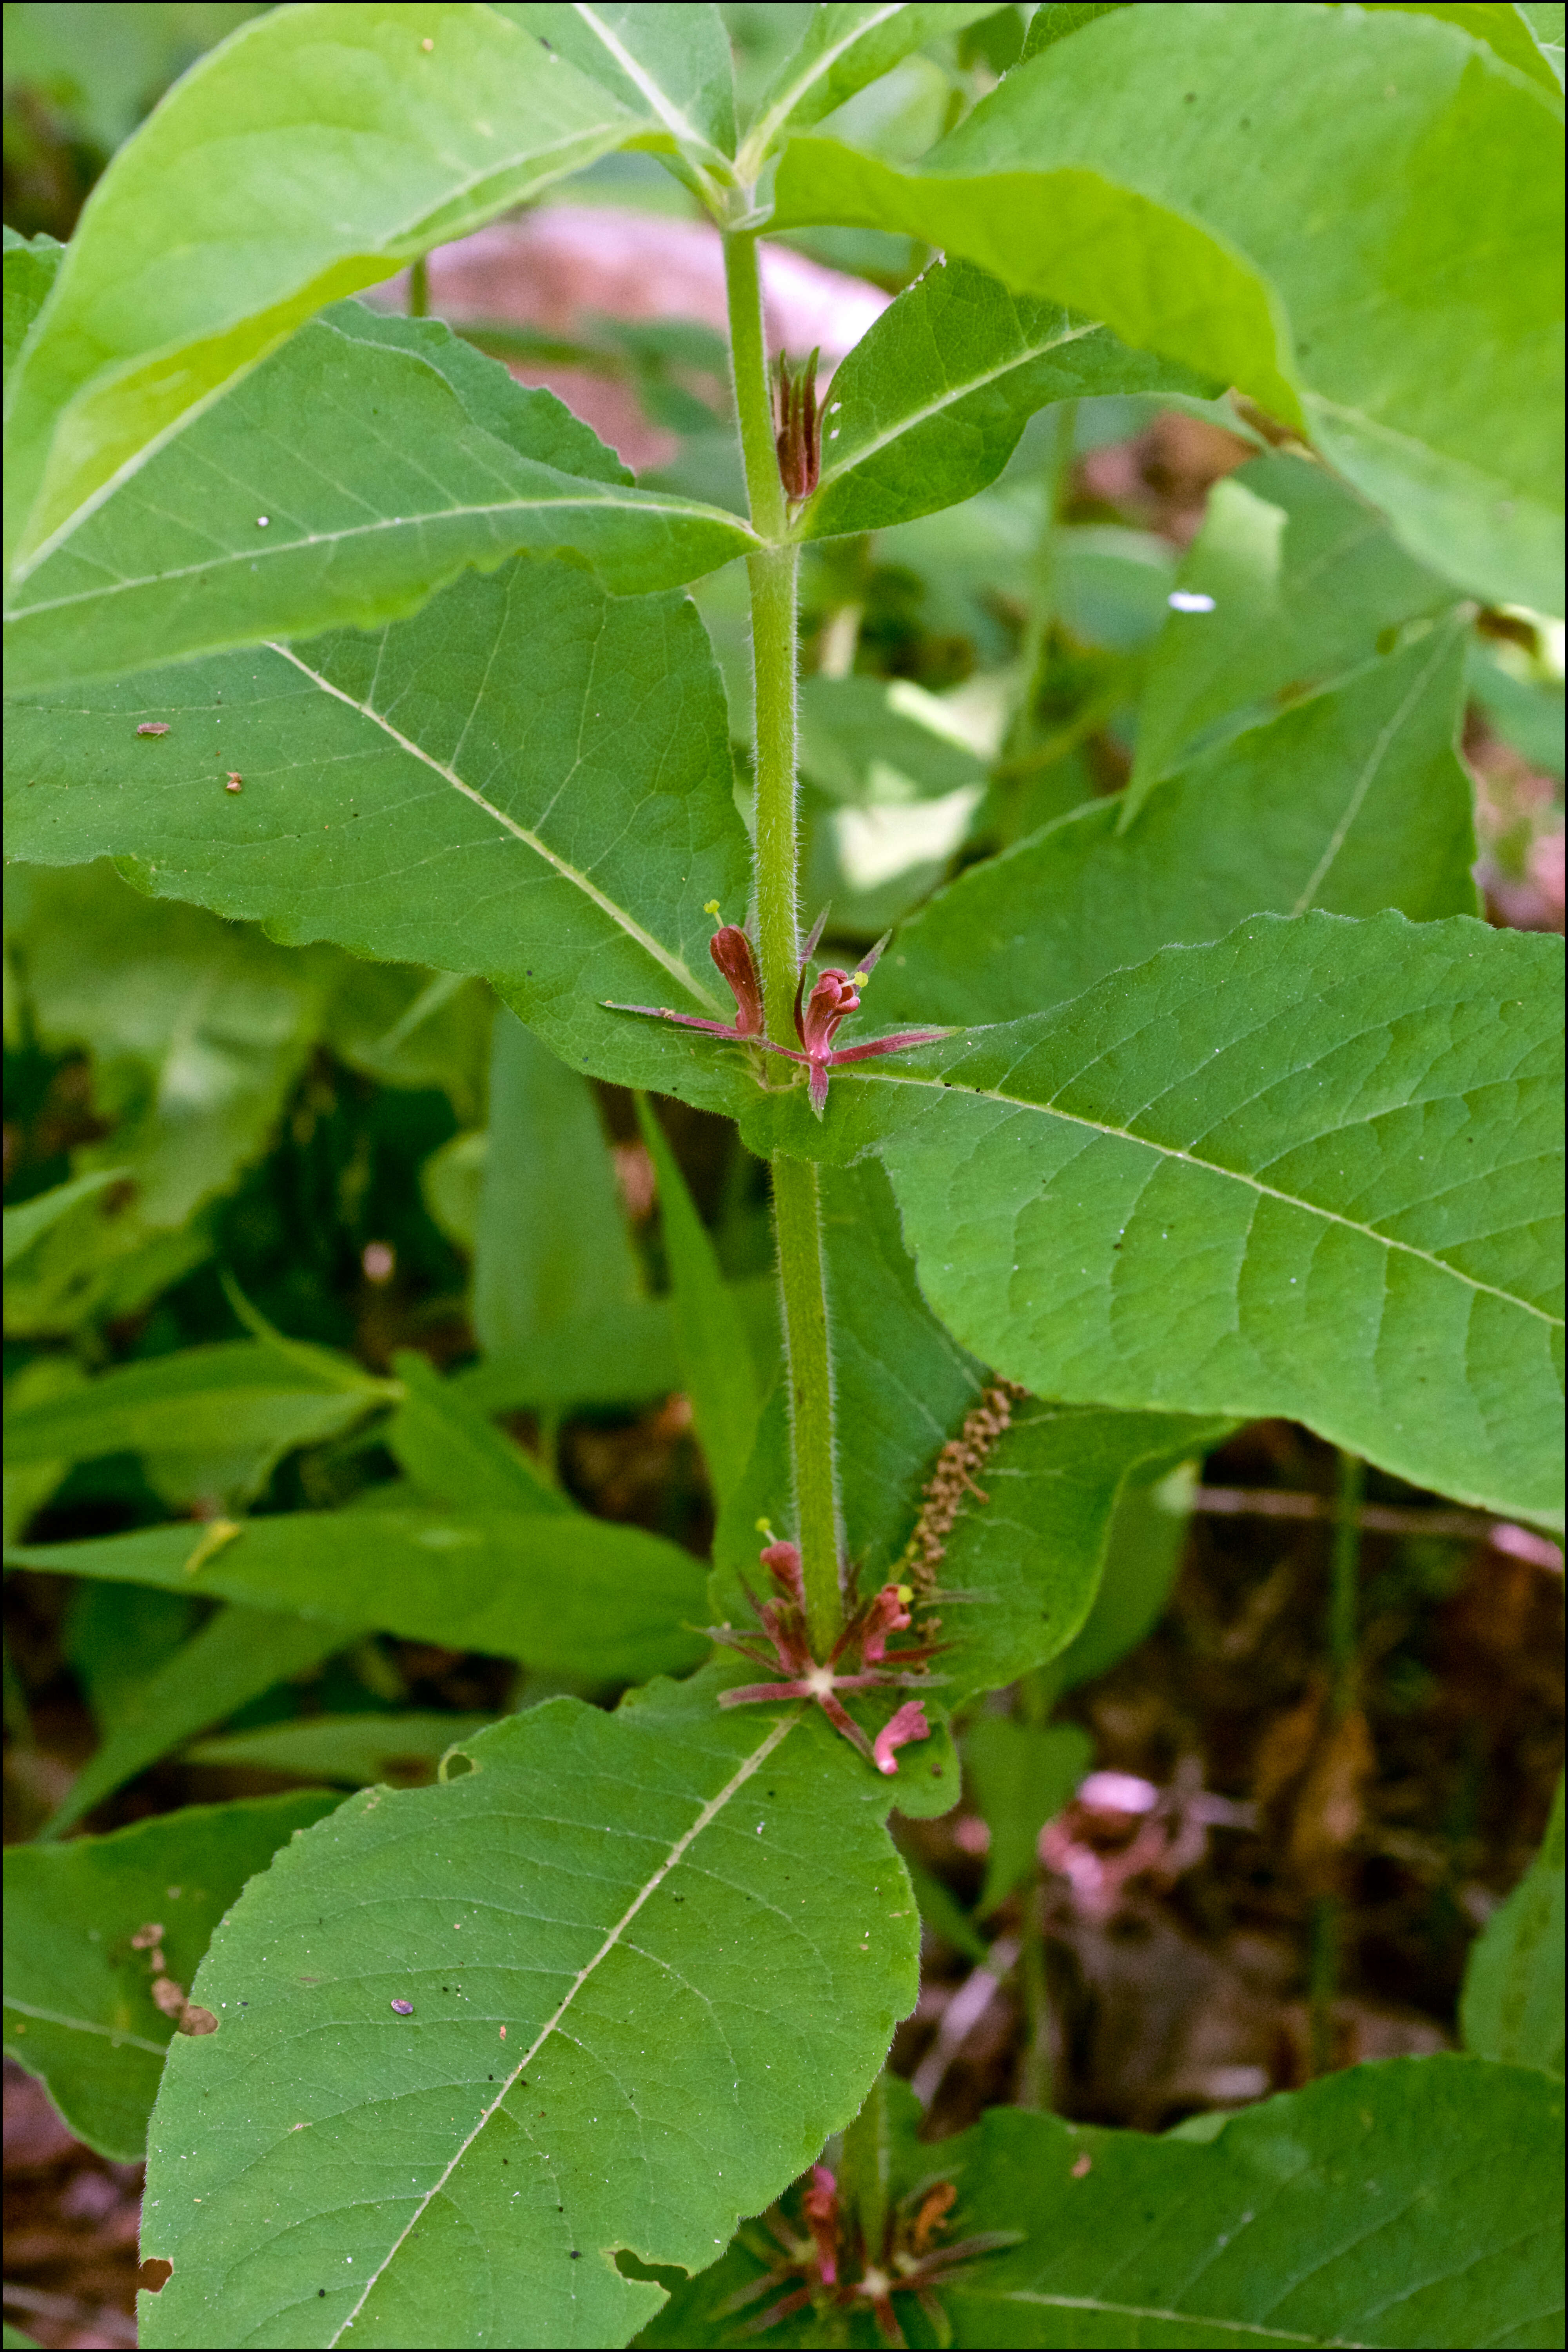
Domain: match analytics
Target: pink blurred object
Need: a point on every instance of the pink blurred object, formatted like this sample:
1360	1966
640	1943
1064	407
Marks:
1121	1827
550	269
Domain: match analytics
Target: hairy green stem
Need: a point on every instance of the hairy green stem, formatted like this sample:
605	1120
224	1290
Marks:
798	1220
796	1210
773	653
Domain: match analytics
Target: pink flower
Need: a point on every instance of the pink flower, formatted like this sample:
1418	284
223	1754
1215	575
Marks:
889	1614
910	1723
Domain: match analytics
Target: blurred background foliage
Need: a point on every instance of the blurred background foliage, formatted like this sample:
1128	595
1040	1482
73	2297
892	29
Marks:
372	1158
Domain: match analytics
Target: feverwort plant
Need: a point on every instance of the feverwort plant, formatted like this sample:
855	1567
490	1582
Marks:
1206	1098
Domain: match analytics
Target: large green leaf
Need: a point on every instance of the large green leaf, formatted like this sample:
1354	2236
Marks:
1352	800
1114	1201
652	1959
314	152
1417	2202
1156	170
929	405
358	1749
1512	2003
846	45
237	1655
1301	580
716	1362
669	63
551	1242
222	1414
528	779
1503	27
33	1219
453	1453
565	1592
78	2011
1023	1565
422	456
197	1029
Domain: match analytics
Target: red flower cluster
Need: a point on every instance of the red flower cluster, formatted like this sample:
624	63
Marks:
817	1019
784	1623
833	2269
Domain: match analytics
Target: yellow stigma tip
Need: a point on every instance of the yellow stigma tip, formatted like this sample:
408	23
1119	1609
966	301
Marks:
906	1594
765	1527
711	906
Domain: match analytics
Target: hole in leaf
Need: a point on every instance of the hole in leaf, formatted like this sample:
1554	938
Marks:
154	2274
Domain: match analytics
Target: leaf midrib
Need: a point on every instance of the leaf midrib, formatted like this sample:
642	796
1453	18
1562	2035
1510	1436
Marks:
277	550
673	965
765	130
1215	1167
675	120
849	462
744	1771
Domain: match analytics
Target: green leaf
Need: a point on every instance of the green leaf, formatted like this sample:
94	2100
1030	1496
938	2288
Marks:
1021	1774
34	1218
1142	1556
29	271
928	407
216	1419
669	63
355	147
874	740
197	1029
115	1635
1527	713
1502	27
550	1240
1364	1114
454	1454
901	1384
1054	20
237	1655
27	1488
528	779
423	458
1511	2007
694	1934
1349	801
78	2012
1356	2212
1023	1567
845	47
616	1357
568	1594
1303	582
100	75
716	1366
1155	171
359	1750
